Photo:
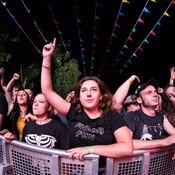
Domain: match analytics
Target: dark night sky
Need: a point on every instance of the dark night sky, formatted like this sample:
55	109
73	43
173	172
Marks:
153	62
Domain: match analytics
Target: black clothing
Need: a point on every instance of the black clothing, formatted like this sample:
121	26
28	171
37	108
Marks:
50	135
100	131
145	127
3	105
3	109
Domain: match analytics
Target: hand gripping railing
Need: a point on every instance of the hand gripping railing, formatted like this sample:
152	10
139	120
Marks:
18	158
144	162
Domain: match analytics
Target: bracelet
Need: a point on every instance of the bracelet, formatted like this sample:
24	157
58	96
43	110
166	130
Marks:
90	149
6	130
49	68
171	81
129	81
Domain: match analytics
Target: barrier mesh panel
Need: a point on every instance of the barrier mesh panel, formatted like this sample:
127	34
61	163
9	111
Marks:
130	168
1	153
30	164
162	164
72	169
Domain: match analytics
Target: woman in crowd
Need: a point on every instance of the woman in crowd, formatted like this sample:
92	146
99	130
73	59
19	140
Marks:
45	131
168	99
15	121
93	126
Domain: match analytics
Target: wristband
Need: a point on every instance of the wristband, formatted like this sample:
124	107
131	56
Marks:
90	149
130	81
49	68
6	130
171	81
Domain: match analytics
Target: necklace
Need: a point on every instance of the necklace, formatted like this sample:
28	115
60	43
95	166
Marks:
23	112
40	121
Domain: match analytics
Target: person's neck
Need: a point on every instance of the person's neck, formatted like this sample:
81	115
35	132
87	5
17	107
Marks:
42	119
23	107
23	110
93	114
150	111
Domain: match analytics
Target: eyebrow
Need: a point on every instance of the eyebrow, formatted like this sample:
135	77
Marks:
90	87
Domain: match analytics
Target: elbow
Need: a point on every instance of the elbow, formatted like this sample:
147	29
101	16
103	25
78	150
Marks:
129	150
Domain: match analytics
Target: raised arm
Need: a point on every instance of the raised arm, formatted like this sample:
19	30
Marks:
3	84
46	81
8	92
172	71
122	92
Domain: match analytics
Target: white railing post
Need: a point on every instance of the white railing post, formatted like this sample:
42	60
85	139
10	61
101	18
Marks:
146	163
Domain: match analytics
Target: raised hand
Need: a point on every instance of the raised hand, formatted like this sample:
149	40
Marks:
48	49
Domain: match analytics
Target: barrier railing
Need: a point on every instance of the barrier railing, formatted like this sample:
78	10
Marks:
18	158
144	162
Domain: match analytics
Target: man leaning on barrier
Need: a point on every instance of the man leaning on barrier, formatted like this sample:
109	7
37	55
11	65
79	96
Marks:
146	125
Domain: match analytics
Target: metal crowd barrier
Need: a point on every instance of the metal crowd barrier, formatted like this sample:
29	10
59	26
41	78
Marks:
18	158
144	162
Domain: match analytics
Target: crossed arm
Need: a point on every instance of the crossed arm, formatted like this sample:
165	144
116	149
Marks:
149	144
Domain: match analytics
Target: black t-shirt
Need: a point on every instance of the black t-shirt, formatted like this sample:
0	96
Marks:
100	131
50	135
3	109
145	127
3	104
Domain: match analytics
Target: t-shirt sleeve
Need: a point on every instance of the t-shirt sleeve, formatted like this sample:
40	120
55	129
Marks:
71	112
129	119
116	121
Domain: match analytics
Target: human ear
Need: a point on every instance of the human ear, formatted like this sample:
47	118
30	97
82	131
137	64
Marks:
139	100
49	108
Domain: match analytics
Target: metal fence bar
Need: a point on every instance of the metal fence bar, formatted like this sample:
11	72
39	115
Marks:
144	162
30	159
18	158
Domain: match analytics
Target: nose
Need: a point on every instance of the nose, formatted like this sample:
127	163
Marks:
35	104
155	94
89	93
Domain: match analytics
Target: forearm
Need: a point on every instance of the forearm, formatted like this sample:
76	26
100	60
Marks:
121	93
114	150
149	144
1	119
46	80
171	81
10	85
3	84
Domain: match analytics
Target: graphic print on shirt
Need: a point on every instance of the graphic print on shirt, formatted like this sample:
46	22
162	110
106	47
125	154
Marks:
42	140
87	132
148	131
